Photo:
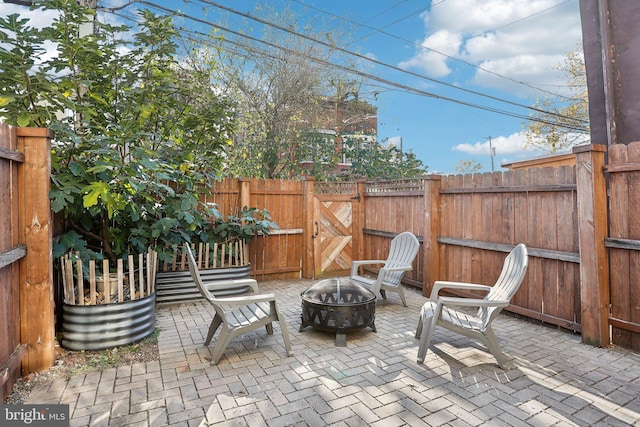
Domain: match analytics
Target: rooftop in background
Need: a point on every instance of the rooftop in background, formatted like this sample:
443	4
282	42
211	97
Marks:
551	160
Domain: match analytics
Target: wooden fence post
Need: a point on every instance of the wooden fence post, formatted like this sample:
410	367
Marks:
431	231
308	230
359	220
592	230
35	231
244	188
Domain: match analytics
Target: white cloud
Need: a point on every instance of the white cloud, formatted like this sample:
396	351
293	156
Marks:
37	18
435	64
522	40
503	145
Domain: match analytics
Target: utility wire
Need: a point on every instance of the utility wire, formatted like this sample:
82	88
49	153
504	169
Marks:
387	82
380	30
368	59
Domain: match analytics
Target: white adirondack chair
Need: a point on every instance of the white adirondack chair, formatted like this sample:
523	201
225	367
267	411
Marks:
237	315
402	252
439	310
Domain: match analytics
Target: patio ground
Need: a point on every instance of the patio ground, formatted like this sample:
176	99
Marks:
553	378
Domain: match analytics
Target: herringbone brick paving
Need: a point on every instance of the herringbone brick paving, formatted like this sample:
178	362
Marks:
553	379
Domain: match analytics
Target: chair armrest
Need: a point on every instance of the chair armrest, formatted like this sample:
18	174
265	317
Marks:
471	302
246	300
402	268
232	284
443	284
356	264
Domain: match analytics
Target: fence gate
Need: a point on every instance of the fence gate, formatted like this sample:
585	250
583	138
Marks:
336	205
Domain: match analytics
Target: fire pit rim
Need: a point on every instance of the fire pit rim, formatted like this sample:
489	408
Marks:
349	286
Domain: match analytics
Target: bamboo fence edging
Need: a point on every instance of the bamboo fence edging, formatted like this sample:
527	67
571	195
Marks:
118	286
207	255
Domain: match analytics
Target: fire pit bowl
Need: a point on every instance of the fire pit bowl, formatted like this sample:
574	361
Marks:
338	305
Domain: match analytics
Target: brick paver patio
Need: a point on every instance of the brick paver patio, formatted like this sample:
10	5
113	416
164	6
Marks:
373	381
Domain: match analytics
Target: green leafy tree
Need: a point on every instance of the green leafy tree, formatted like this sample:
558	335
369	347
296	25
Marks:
570	125
372	160
278	93
468	166
292	107
144	135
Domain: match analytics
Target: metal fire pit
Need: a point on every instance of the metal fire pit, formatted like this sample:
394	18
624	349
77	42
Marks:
338	305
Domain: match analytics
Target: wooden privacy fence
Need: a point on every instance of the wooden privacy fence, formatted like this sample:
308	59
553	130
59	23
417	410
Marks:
623	243
279	255
482	217
27	329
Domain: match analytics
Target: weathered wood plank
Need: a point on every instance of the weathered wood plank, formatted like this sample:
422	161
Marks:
12	255
619	239
36	268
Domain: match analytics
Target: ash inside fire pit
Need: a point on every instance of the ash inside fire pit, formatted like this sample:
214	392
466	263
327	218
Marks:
339	305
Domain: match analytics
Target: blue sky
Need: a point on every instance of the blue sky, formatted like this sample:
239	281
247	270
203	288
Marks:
506	49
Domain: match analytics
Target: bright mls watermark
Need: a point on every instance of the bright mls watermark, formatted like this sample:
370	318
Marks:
34	415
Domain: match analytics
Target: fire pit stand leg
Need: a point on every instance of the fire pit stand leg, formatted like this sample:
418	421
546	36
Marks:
341	337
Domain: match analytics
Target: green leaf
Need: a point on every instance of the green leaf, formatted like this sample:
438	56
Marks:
75	168
60	200
4	100
24	120
93	192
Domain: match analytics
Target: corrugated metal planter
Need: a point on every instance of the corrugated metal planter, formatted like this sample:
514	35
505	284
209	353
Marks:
177	286
98	327
121	312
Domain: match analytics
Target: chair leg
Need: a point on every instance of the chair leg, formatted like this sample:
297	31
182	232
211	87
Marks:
213	327
269	328
285	335
494	347
401	292
426	333
221	344
383	293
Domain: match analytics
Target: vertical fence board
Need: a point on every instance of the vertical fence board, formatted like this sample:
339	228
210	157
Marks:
9	274
633	152
619	258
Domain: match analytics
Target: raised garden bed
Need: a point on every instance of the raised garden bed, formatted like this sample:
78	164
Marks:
119	311
215	261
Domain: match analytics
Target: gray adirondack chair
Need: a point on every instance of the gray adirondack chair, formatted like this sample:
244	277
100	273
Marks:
402	252
440	310
237	315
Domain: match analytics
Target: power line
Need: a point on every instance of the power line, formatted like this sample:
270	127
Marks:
387	82
380	30
366	58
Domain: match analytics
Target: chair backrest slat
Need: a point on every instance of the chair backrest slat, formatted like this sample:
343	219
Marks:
403	250
508	283
195	274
